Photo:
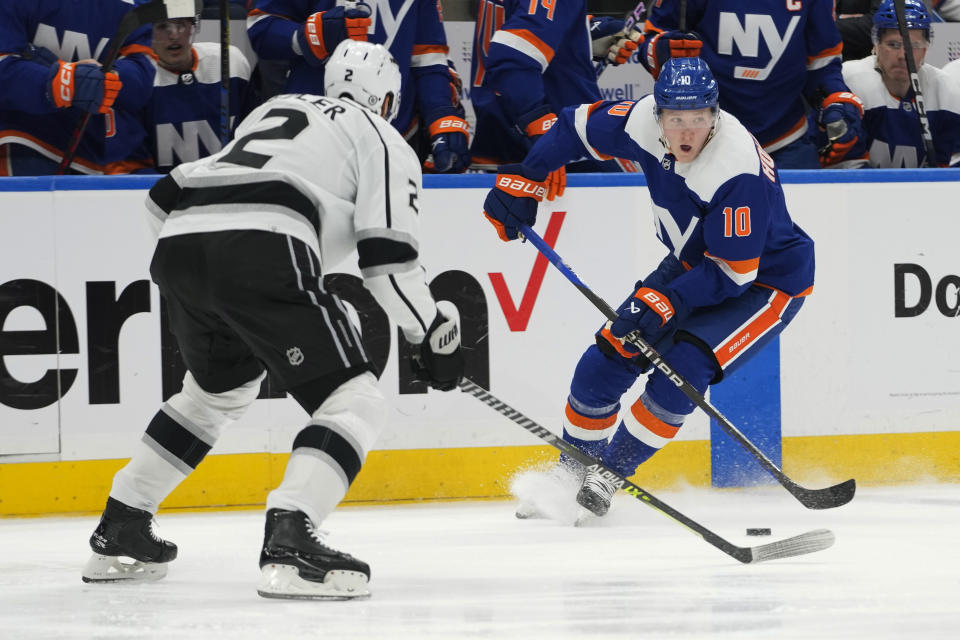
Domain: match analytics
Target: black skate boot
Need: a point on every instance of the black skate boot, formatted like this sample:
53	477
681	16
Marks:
595	493
127	532
295	562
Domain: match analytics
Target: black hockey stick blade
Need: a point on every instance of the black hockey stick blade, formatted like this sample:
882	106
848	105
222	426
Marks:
144	14
802	544
825	498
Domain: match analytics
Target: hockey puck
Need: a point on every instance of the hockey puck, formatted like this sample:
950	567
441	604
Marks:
758	532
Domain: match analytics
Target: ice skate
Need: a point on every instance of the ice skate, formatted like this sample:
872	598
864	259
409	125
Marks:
547	494
127	532
296	563
595	493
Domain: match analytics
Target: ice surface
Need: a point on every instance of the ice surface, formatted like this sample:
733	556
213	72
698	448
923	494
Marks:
472	570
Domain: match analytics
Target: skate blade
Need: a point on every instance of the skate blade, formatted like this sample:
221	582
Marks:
101	569
284	581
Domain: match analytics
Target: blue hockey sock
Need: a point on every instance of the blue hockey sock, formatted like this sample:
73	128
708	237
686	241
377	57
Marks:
625	453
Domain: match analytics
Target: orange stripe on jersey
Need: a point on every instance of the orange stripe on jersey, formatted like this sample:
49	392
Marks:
590	424
827	53
4	162
8	135
653	424
132	49
802	294
738	266
541	46
749	334
422	49
793	130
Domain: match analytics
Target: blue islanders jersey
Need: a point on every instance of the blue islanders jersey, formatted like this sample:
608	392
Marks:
524	54
72	31
768	56
411	29
185	110
723	215
894	137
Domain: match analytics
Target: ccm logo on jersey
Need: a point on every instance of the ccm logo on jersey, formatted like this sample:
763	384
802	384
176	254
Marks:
521	187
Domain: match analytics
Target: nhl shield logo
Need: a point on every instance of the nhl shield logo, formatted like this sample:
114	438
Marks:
665	163
295	356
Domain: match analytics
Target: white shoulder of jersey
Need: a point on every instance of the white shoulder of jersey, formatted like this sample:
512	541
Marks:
952	69
940	91
208	62
208	66
863	79
730	153
642	127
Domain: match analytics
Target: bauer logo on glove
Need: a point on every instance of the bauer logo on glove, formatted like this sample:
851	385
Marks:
521	187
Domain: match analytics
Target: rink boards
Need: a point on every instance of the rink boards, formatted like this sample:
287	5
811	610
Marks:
864	384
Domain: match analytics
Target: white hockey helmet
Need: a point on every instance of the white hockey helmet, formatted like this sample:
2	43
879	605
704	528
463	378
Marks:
367	74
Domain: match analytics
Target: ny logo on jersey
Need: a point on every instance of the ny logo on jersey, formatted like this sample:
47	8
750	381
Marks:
75	46
747	36
667	226
903	156
383	11
172	148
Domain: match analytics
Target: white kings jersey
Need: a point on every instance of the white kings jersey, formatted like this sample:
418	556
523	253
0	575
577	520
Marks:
326	172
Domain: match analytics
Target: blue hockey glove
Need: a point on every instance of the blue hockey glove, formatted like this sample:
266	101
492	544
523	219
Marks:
450	144
324	30
85	86
513	201
669	44
650	313
841	119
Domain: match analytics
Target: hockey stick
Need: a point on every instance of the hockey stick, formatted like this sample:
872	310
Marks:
633	17
137	17
224	72
825	498
802	544
900	7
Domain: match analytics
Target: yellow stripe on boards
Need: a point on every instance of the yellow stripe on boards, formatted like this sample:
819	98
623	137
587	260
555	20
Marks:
243	480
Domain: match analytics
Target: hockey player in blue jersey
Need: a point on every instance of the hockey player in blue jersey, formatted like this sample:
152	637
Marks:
303	32
772	58
184	114
50	54
735	275
530	59
893	134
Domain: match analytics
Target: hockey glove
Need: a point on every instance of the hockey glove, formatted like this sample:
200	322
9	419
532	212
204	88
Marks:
513	201
440	361
324	30
610	42
82	85
450	144
669	44
841	119
534	124
650	313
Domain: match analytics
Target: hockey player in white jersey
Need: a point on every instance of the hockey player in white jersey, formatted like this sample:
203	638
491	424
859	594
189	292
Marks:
245	237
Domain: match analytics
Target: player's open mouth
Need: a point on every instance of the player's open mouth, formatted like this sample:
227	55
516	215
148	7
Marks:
686	148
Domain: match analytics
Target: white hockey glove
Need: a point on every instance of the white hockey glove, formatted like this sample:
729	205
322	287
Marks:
440	361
